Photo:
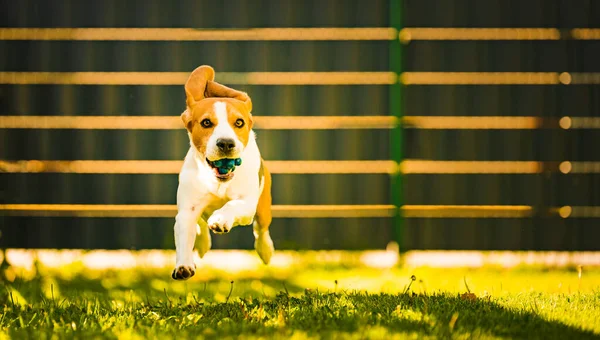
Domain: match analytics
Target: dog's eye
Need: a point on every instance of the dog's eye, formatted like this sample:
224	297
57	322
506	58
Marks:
239	123
206	123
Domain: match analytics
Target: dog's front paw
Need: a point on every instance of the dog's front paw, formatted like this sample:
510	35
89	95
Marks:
183	272
220	223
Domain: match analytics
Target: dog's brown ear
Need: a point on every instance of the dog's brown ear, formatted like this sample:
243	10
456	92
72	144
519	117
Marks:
214	89
195	87
186	117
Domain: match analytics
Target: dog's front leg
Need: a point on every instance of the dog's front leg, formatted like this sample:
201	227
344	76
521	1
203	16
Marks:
233	213
185	236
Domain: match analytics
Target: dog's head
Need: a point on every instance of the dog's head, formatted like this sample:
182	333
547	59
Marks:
217	118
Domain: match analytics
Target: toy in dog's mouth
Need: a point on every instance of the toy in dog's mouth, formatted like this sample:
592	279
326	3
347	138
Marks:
224	167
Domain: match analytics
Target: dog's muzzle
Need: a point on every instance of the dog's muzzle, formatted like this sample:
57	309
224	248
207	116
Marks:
224	168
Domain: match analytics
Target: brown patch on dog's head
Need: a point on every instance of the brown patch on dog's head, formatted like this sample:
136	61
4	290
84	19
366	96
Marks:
201	118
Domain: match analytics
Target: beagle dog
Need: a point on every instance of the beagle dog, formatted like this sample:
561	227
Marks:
223	182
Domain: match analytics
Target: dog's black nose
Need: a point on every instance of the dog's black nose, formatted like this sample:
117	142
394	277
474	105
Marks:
225	144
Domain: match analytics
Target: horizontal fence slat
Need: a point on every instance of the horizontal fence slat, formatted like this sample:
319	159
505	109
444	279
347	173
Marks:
324	122
192	34
464	211
306	211
332	167
448	33
165	210
179	78
474	167
305	122
175	123
304	78
479	78
479	123
295	34
523	34
173	167
346	211
498	78
586	33
581	211
308	167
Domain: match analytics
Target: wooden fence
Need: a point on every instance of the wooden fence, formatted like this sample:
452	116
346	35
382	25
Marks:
381	120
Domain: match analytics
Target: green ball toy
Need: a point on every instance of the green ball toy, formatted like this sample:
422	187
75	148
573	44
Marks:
225	165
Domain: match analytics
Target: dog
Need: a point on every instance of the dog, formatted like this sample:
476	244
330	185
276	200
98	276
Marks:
223	182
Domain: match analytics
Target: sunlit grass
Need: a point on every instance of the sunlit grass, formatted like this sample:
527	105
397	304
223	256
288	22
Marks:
308	295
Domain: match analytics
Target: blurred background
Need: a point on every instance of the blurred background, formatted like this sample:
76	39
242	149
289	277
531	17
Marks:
459	124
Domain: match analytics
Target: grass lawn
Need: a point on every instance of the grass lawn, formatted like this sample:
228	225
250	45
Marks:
308	297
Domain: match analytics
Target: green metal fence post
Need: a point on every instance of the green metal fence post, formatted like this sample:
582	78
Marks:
396	110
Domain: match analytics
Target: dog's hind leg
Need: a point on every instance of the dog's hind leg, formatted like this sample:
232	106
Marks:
263	242
203	241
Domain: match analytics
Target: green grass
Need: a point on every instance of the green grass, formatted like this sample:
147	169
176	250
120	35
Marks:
308	299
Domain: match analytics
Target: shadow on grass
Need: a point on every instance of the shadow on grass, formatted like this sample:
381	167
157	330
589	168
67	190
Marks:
144	284
443	315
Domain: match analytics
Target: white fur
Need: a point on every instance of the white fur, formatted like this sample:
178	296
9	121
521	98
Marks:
222	130
223	205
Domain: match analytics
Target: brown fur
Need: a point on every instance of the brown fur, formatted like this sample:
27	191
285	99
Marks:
201	94
204	110
263	209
